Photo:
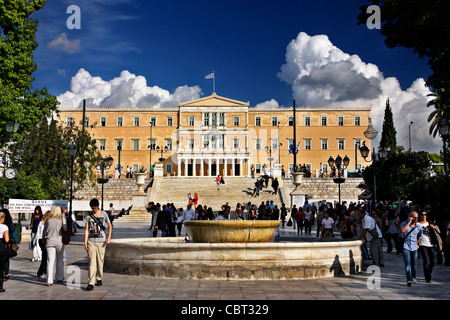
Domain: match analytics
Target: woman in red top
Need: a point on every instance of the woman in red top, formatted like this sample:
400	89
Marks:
195	199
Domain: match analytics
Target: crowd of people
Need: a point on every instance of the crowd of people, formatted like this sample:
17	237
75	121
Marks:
47	242
398	226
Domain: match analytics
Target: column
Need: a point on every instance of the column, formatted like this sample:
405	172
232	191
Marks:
201	167
232	167
209	166
179	167
241	167
186	167
194	167
247	168
225	161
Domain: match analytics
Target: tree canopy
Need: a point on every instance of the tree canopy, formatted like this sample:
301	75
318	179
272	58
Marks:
18	100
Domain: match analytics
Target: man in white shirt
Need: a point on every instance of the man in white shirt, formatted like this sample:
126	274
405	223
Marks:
373	235
188	214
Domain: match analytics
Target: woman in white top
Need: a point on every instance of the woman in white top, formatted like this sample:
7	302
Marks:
426	247
4	239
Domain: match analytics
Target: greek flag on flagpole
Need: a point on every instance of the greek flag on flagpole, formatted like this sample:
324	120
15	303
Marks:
209	77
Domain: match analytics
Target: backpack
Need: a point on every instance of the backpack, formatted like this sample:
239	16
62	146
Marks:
343	229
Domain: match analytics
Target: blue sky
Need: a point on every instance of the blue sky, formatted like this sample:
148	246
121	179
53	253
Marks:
176	43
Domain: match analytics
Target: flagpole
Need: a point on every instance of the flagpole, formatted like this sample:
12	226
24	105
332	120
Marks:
214	81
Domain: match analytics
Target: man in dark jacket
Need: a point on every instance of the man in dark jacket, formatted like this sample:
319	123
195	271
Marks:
164	221
275	185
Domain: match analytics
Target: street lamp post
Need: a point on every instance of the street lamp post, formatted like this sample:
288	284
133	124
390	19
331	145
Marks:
72	152
409	134
339	165
162	151
104	164
444	130
269	149
150	150
382	154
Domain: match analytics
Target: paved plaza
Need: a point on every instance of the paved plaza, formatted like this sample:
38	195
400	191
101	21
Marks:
25	285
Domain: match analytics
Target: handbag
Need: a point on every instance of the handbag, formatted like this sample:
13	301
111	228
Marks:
65	236
12	249
436	239
289	223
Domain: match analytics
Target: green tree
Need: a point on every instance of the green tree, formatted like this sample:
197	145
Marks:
18	100
388	135
397	176
42	159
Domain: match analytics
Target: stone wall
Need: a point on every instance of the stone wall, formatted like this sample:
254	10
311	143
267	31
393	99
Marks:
113	190
319	189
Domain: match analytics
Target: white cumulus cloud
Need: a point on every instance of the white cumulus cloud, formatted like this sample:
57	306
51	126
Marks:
125	91
322	75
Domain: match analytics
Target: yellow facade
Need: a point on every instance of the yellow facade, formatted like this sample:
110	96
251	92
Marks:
217	135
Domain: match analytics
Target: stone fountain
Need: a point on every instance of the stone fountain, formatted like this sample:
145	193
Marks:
240	250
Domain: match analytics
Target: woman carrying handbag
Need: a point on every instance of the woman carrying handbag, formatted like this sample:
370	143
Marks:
426	245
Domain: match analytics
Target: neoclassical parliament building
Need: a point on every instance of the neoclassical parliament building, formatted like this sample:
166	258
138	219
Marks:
217	135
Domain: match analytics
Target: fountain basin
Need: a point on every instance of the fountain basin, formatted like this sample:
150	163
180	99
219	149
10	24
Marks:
231	231
174	258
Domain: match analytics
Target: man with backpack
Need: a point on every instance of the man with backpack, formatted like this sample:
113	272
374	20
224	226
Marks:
373	235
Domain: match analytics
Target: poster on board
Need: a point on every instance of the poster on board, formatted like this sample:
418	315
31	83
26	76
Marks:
27	206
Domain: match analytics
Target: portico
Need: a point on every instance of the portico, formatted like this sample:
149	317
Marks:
204	163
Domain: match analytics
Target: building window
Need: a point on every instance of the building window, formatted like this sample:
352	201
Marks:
222	119
119	121
357	121
258	144
103	121
152	144
236	121
86	121
291	121
169	144
69	121
191	143
324	167
169	121
134	168
324	120
136	121
235	142
308	121
135	144
258	168
119	144
169	168
191	121
102	144
324	143
274	144
153	121
206	119
357	143
341	144
258	121
340	121
307	144
274	121
205	142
